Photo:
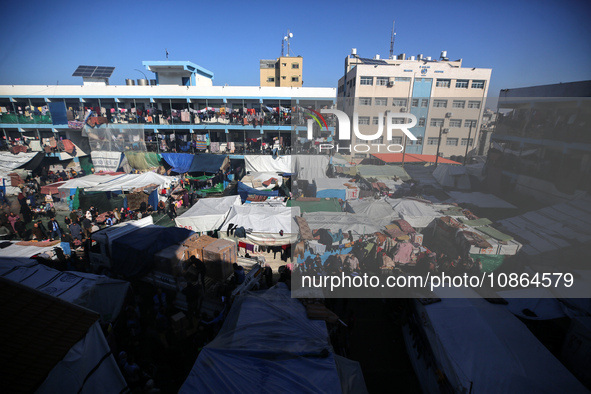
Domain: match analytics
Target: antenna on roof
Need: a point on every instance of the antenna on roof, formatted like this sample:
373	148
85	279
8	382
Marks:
166	49
282	42
392	38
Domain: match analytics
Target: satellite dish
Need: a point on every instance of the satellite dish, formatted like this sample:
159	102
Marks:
290	35
285	38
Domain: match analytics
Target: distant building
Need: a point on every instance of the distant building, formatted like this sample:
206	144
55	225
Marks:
541	144
281	72
447	100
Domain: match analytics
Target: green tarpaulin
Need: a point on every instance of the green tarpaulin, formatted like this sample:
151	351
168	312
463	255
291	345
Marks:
86	164
490	262
494	233
476	223
324	205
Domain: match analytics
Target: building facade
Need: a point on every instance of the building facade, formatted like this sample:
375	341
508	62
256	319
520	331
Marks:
285	71
446	98
178	110
541	145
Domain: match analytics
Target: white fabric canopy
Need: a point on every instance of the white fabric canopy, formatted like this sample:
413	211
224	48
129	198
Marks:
106	160
335	221
207	214
266	163
130	181
416	213
8	163
266	223
84	182
310	167
15	250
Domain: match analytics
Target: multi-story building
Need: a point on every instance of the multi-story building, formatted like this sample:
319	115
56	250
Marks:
177	110
541	143
446	98
281	72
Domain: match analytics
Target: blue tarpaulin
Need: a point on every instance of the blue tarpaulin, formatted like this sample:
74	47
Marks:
133	253
153	199
58	113
244	191
207	163
180	162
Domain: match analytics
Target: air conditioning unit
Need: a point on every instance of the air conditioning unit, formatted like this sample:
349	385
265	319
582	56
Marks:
390	84
449	115
445	131
403	109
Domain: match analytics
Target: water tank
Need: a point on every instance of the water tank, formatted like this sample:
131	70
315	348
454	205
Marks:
353	51
443	53
420	56
428	58
153	82
142	82
377	57
130	82
412	58
402	56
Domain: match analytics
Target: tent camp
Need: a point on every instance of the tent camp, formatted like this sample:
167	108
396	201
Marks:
69	187
295	356
449	175
128	182
448	338
209	164
53	346
207	214
271	226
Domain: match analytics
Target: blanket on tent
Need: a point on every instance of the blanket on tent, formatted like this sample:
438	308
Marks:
305	231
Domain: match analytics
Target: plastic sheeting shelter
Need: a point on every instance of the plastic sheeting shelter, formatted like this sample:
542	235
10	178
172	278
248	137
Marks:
128	182
247	356
448	175
180	162
334	221
132	254
267	163
207	214
336	188
106	161
461	330
270	225
244	191
10	162
417	214
95	292
373	209
208	163
322	205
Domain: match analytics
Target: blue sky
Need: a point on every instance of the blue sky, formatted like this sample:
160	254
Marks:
524	42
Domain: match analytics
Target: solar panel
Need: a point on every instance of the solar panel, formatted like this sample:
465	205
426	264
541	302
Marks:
93	71
373	61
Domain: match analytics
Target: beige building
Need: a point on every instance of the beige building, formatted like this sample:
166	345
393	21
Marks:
447	100
285	71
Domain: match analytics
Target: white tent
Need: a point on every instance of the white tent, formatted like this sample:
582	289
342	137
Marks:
417	214
336	188
25	251
128	182
207	214
335	221
310	167
266	163
373	209
8	163
450	175
69	187
267	223
482	348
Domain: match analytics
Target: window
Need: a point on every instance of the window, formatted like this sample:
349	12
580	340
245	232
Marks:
375	120
271	79
421	122
440	103
443	83
399	102
436	122
470	123
295	79
402	79
365	101
424	103
458	104
283	77
397	140
473	104
295	65
452	142
382	81
366	81
364	120
465	141
360	155
477	84
379	140
409	141
419	141
283	64
462	84
455	123
400	121
415	102
381	101
432	141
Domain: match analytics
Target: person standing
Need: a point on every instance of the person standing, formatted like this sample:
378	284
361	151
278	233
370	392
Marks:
171	209
54	229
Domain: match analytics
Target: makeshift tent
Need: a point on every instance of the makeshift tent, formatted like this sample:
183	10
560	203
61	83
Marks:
449	175
132	255
100	201
207	214
310	167
418	214
373	209
52	346
448	338
316	205
269	225
180	162
128	182
51	188
106	161
336	188
244	191
335	221
256	179
208	163
95	292
295	356
9	162
268	163
142	160
68	188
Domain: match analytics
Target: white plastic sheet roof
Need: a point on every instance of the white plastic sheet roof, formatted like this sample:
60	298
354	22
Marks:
87	181
207	214
26	251
416	213
9	162
373	209
267	344
266	163
305	166
335	221
485	349
450	175
130	181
